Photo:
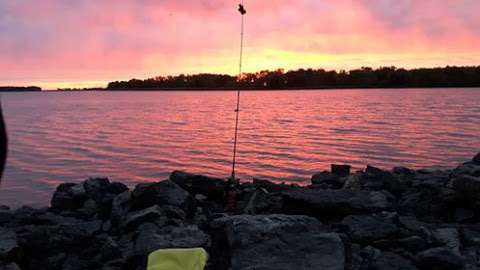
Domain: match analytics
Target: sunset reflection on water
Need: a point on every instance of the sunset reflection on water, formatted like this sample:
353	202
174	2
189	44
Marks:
284	135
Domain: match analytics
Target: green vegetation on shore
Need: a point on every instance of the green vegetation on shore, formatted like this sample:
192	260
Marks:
385	77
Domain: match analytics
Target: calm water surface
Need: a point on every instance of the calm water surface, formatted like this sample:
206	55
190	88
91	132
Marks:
285	135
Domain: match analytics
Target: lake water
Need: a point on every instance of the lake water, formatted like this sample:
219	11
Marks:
138	137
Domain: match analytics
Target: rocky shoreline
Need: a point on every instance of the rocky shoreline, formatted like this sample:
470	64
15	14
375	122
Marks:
371	219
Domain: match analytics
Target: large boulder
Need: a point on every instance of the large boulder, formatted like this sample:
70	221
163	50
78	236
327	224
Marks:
149	237
6	215
274	242
326	204
62	232
328	180
414	227
367	229
467	189
9	266
377	179
29	215
428	199
449	238
469	168
413	244
392	261
116	188
87	198
440	259
68	196
9	248
95	188
161	193
362	258
213	188
47	245
262	202
404	172
120	207
134	219
476	159
471	236
463	215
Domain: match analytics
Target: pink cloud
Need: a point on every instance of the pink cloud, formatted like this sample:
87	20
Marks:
105	40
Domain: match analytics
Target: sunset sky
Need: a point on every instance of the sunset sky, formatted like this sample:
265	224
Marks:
85	43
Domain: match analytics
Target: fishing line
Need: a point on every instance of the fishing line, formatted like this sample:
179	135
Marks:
242	11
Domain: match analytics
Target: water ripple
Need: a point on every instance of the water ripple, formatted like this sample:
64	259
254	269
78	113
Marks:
284	136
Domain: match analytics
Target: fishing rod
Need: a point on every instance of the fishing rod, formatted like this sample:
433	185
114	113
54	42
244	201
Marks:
242	11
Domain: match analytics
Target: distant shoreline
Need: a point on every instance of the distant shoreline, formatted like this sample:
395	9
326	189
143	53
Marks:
236	89
305	79
254	89
301	79
280	89
5	89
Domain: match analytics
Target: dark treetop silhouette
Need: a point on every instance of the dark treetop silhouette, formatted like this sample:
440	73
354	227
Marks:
385	77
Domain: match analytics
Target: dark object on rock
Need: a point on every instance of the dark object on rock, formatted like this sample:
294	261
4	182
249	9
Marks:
161	193
476	159
326	204
231	201
328	180
213	188
341	170
367	229
439	259
274	242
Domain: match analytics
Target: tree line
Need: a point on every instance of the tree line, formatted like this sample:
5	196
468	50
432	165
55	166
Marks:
385	77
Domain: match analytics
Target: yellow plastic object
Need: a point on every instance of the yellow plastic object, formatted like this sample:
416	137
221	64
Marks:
177	259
